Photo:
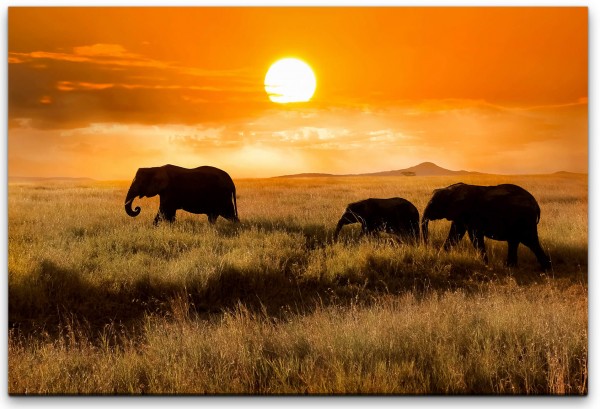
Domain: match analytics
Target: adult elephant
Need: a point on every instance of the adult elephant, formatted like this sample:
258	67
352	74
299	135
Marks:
505	212
395	215
203	190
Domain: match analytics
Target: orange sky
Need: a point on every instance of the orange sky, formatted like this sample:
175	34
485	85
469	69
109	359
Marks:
99	92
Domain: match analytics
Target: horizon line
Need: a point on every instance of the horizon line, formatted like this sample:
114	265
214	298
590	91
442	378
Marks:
300	175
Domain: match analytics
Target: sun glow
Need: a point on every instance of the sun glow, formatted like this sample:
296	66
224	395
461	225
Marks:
290	80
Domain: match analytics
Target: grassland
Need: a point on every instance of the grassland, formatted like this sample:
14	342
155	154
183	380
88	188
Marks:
100	303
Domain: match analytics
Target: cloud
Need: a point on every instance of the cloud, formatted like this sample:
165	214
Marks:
13	59
86	86
117	56
104	50
100	54
108	83
92	86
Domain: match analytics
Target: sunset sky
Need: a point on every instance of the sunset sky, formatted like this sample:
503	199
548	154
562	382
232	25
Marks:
100	92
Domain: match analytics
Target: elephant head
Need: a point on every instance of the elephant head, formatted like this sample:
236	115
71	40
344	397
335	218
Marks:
353	214
447	203
148	182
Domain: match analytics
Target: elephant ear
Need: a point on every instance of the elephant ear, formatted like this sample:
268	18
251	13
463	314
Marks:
460	200
160	180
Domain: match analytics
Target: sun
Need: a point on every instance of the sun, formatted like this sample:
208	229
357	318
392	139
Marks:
290	80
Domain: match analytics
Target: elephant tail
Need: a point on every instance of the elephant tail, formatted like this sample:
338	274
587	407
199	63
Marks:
235	212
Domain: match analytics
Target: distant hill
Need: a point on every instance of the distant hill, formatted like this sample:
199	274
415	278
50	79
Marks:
565	173
422	169
26	179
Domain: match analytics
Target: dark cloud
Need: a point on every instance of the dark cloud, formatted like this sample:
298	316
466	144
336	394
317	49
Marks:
105	83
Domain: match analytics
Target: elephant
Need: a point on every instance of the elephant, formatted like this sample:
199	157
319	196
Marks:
203	190
394	215
504	212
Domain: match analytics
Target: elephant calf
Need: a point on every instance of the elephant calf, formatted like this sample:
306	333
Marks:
395	215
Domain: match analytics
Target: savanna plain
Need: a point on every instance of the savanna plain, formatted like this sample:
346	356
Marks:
101	303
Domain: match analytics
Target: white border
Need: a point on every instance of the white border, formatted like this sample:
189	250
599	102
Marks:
591	401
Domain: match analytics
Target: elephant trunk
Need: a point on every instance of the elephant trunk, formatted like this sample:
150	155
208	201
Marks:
343	221
131	194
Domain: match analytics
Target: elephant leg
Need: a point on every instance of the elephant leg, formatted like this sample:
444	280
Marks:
166	211
416	233
534	245
457	232
229	216
170	216
367	230
364	229
212	218
412	232
164	214
479	244
405	234
227	212
157	218
513	247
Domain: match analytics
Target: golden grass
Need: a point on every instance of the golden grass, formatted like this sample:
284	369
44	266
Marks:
103	303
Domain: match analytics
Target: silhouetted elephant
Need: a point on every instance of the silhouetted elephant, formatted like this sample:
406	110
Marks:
395	215
203	190
504	212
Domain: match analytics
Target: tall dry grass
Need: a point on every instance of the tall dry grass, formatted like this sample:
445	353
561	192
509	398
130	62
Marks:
103	303
501	341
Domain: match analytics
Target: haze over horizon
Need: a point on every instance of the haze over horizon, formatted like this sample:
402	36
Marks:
423	169
493	90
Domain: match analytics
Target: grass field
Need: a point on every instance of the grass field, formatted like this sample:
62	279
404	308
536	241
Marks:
101	303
